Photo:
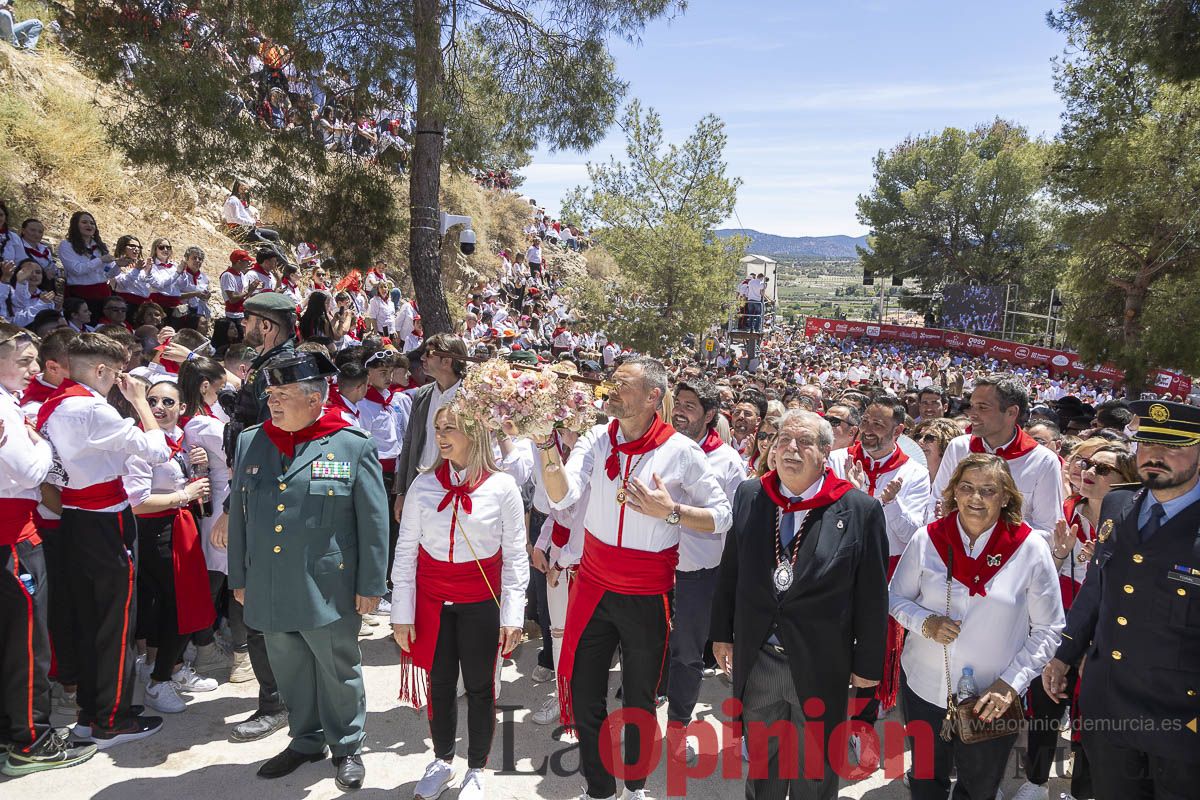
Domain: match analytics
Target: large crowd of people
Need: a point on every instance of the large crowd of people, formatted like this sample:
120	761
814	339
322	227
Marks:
839	527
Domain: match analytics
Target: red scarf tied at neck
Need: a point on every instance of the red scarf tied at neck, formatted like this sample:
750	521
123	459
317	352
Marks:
654	437
459	493
1021	445
711	442
831	491
330	421
874	471
974	573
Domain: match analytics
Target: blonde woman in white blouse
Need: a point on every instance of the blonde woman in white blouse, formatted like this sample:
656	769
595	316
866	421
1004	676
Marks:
458	593
1003	620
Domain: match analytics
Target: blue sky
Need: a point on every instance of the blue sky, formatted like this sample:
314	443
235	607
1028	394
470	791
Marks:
811	90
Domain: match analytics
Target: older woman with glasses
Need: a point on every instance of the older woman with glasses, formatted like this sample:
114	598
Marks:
933	435
977	590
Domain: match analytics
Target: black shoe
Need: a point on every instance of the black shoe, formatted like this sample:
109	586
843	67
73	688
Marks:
288	762
350	772
129	731
52	751
259	725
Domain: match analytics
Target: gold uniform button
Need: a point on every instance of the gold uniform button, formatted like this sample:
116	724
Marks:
329	456
282	487
1122	621
341	566
279	529
1128	589
1191	692
1181	592
1137	558
1116	654
278	549
331	492
279	507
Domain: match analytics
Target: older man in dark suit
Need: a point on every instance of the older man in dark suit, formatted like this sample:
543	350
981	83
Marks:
801	607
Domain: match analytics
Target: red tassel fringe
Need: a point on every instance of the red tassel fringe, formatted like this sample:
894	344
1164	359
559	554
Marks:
889	687
414	684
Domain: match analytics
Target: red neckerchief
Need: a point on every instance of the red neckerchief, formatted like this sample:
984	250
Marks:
33	252
288	284
1021	445
258	268
711	442
68	388
285	441
654	437
319	287
896	460
337	401
557	331
458	494
974	573
37	391
174	445
1070	510
376	396
163	264
194	275
831	491
106	321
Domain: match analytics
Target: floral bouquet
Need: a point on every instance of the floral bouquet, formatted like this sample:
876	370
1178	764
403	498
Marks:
576	405
536	401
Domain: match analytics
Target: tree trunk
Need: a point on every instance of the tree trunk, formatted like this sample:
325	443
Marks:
425	241
1132	354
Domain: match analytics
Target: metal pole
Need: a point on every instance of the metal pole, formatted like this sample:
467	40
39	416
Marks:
1050	315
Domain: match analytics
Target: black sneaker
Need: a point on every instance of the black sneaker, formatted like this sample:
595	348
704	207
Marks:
130	731
51	751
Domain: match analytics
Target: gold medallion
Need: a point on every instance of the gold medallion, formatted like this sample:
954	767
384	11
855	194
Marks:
1106	529
621	497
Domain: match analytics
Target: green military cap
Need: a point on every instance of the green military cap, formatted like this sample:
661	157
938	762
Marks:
1164	422
274	306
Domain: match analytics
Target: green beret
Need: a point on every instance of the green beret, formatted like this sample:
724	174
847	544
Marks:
271	305
522	357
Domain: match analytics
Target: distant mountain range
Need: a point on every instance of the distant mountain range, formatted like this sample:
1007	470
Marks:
798	247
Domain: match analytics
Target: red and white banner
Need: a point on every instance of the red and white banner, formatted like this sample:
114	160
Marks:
1056	361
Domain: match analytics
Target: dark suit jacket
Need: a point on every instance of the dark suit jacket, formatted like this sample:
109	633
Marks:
833	619
1137	618
409	462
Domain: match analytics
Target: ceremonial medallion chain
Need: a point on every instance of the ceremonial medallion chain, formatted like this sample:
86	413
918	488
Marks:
622	493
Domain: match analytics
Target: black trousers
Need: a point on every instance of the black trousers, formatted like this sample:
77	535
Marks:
64	628
1045	727
158	613
1121	773
639	624
216	593
389	480
537	589
269	701
24	645
980	766
689	632
101	565
468	639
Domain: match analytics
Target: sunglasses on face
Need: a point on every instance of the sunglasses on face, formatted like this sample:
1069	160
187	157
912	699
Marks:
164	247
165	402
926	437
1102	470
835	421
765	435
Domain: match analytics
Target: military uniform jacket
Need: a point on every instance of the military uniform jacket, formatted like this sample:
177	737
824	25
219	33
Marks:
1137	617
305	537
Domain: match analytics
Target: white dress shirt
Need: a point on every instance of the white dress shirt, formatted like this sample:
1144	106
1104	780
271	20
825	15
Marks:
233	283
436	401
209	433
1038	474
496	524
237	213
134	281
142	480
703	550
23	465
906	512
1011	633
573	518
679	463
82	270
166	279
379	420
92	442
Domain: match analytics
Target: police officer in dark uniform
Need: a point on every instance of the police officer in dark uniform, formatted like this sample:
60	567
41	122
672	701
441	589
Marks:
1137	621
270	329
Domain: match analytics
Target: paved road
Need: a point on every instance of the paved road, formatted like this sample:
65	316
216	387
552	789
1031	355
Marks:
192	757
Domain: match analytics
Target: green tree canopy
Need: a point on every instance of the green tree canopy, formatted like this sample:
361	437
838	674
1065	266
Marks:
655	213
1163	35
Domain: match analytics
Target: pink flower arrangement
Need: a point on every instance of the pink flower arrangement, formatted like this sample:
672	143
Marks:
536	401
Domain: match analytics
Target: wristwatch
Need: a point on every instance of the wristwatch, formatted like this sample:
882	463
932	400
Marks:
673	517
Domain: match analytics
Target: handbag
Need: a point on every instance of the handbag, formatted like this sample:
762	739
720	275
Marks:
961	718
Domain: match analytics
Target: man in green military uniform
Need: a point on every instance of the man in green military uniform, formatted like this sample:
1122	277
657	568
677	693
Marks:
1137	620
307	555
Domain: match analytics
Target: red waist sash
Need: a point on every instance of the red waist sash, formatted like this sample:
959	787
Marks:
16	521
89	291
95	497
193	605
166	300
607	568
440	582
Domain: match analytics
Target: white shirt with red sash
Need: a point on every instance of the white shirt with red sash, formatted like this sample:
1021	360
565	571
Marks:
233	283
92	443
1036	470
562	534
906	512
703	550
23	468
1012	618
377	416
166	284
259	280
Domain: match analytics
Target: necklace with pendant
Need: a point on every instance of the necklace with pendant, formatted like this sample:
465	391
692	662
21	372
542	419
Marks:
622	493
785	570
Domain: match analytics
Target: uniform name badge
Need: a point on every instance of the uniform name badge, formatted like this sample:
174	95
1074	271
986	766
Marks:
331	469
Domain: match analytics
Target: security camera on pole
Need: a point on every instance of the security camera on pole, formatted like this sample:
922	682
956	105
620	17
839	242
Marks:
466	238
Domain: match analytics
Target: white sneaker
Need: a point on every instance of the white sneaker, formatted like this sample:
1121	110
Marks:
187	680
548	713
1031	791
143	670
164	697
436	780
639	794
189	653
855	749
542	674
384	609
471	787
586	796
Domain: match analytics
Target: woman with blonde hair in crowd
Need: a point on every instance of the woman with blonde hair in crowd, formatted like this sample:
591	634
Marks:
458	592
977	590
932	436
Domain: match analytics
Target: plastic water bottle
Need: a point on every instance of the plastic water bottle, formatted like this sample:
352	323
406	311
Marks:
966	684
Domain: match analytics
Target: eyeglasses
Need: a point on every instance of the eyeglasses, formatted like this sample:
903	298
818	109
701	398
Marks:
165	402
763	436
164	247
986	492
834	421
1102	470
926	437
